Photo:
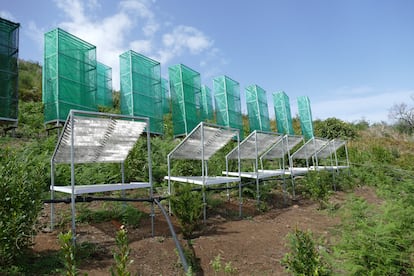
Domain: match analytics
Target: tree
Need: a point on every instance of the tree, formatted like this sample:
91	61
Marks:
403	115
332	128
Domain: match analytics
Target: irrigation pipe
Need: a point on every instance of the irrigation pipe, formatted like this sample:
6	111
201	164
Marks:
90	199
174	236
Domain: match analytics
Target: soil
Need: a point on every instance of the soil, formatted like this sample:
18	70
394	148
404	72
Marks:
254	244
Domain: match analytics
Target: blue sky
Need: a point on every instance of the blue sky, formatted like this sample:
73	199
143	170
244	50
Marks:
354	59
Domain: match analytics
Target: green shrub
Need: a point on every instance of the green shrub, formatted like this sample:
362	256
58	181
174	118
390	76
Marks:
125	213
304	258
333	128
68	249
121	256
21	188
376	241
318	186
187	206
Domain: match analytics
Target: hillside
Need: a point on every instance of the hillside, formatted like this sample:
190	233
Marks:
363	228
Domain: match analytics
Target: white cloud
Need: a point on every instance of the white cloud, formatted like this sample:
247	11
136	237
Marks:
134	25
183	39
7	15
35	33
373	107
141	46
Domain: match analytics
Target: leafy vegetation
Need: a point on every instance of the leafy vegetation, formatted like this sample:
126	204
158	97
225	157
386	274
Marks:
304	257
373	240
121	256
187	206
125	213
68	250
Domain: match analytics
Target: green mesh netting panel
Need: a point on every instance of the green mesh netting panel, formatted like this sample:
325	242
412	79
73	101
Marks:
69	75
257	109
165	96
283	115
141	93
104	85
185	89
9	49
227	103
206	103
305	117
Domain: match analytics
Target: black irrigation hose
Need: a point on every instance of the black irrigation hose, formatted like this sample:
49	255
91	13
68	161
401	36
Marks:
174	236
90	199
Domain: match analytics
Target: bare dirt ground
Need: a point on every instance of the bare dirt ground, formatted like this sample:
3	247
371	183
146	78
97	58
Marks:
254	245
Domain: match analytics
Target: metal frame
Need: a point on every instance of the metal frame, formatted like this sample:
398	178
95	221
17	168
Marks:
251	148
327	152
279	151
200	144
69	148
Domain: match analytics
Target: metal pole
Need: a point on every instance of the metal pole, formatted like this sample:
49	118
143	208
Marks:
240	187
150	176
256	165
123	182
52	193
72	176
169	184
203	177
284	175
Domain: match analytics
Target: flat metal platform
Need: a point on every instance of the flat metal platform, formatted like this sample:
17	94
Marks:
262	174
97	188
209	180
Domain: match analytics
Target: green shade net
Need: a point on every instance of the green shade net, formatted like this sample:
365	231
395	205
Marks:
282	113
305	117
9	49
141	93
104	85
165	96
69	75
185	89
227	103
257	109
206	103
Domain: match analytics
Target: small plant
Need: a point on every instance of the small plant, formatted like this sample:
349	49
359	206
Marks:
187	205
317	187
217	266
304	259
122	255
229	269
67	248
126	214
216	263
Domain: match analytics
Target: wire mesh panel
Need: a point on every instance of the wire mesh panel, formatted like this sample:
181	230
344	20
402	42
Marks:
310	148
206	103
185	89
283	147
141	93
257	108
9	49
69	75
227	103
165	96
104	85
203	142
305	117
282	113
255	145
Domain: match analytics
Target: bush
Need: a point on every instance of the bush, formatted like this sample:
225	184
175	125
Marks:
121	255
187	205
332	128
22	179
317	186
304	258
